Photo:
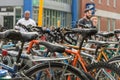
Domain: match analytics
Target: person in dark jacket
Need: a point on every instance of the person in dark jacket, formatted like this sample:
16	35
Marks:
86	20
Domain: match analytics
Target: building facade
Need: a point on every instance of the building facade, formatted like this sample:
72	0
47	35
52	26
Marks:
54	12
107	11
10	12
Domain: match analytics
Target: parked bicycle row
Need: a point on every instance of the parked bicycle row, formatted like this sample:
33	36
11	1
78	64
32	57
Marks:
60	54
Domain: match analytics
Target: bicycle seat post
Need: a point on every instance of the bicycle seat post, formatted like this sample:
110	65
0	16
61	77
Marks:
20	52
81	43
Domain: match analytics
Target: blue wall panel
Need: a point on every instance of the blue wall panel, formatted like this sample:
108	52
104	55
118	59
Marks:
74	12
28	6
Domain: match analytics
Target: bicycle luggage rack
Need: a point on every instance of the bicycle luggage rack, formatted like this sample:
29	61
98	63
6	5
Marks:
37	58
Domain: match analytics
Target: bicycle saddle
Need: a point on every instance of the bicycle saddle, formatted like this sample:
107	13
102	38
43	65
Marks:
89	31
113	59
53	47
106	34
19	36
100	43
117	31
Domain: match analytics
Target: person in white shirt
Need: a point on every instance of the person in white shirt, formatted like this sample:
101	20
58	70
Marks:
25	21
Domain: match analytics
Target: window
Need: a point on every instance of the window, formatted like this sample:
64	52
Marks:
108	24
100	1
18	13
58	16
35	14
69	1
62	18
64	1
46	18
114	3
52	17
108	2
92	0
99	22
113	24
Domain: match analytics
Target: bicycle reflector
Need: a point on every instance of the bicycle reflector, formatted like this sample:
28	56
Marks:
4	53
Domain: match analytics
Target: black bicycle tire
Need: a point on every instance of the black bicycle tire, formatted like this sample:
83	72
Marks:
104	65
70	68
114	59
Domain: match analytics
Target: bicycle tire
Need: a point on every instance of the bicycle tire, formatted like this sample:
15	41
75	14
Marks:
104	65
114	59
60	66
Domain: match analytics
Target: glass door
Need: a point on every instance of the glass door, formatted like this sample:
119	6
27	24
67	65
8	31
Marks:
8	22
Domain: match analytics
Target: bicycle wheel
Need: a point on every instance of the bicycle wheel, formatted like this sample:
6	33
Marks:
7	60
115	59
104	71
55	71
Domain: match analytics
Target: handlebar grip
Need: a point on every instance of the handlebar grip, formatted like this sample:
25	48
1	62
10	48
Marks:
2	35
68	36
117	31
83	26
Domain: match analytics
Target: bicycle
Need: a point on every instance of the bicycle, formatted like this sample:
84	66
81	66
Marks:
78	57
30	74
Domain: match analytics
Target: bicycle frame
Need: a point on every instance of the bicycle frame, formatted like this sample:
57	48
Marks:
12	70
77	55
102	54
